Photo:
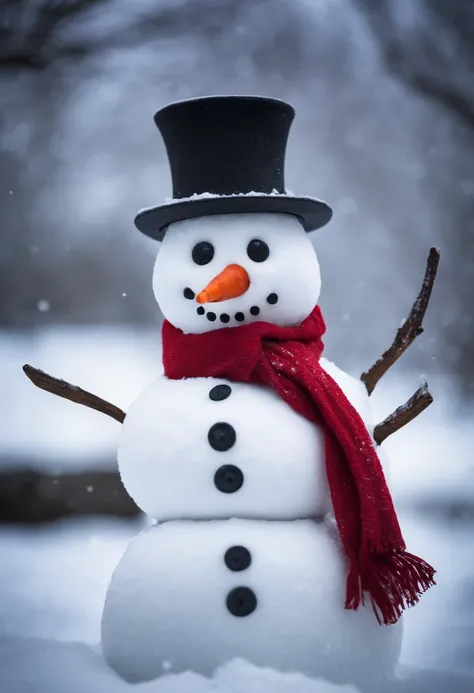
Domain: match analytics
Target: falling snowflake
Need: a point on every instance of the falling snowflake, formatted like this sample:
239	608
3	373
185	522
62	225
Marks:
43	306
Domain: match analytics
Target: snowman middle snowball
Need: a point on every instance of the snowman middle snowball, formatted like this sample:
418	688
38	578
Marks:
274	251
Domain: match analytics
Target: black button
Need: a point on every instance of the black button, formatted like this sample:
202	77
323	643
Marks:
200	310
221	436
272	299
211	316
188	293
241	601
228	479
255	310
240	317
220	392
237	558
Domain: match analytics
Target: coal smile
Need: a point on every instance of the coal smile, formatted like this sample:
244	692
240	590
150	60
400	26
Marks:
225	318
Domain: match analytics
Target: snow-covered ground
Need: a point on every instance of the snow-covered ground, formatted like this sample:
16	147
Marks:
53	579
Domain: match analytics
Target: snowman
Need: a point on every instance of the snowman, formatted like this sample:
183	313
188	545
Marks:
275	539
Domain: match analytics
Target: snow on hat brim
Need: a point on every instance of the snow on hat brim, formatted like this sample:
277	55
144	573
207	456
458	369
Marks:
154	221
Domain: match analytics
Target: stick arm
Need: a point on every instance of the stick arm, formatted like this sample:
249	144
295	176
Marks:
409	330
407	412
73	393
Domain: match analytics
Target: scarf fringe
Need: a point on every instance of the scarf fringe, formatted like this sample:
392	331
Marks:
394	582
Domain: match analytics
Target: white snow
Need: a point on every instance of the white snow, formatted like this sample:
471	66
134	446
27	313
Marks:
291	270
167	464
53	580
29	665
213	196
43	306
48	666
167	601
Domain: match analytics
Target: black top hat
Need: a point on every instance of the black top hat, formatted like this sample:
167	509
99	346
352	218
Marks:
227	156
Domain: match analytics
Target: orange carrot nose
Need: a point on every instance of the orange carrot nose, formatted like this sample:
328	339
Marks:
233	281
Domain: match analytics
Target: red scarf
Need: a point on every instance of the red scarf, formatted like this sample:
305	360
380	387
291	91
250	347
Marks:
287	359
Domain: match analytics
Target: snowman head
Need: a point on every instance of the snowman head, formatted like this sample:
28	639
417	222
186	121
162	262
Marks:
222	271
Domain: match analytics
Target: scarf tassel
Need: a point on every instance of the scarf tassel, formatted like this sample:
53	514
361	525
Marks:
394	582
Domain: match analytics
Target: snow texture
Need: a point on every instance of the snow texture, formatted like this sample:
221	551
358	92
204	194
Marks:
49	666
29	665
53	580
291	270
167	602
211	196
167	464
53	583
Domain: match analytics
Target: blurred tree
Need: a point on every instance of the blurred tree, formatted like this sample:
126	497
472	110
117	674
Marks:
32	32
77	75
429	47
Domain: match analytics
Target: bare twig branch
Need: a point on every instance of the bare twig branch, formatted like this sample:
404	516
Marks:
404	414
72	393
410	329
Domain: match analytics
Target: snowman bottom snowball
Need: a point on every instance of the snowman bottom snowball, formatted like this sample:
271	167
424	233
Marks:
192	595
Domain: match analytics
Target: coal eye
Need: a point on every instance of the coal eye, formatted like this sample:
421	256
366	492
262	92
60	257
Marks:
203	253
257	250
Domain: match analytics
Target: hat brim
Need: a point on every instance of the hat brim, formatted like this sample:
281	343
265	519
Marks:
154	221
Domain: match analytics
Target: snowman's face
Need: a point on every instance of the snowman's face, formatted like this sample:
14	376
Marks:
264	266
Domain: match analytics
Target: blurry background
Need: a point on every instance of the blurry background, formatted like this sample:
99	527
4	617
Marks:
384	131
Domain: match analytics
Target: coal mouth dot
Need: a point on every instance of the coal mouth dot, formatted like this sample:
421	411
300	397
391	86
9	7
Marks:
240	315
